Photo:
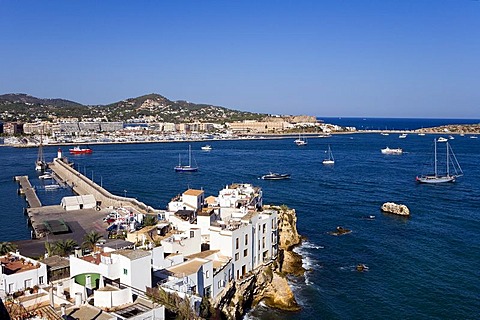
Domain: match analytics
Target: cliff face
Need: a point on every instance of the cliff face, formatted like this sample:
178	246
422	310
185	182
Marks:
267	283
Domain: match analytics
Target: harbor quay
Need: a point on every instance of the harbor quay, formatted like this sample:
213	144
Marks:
70	220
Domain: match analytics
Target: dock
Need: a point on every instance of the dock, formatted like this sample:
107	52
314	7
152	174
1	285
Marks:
29	192
82	185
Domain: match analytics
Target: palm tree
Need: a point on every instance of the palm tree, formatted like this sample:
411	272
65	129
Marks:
90	240
50	248
6	247
65	247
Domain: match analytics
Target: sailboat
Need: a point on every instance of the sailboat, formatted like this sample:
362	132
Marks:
448	176
189	167
330	159
301	141
40	164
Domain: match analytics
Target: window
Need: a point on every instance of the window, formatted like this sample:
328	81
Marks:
264	227
245	252
192	234
40	280
125	271
263	242
236	256
207	274
246	239
236	243
10	288
28	283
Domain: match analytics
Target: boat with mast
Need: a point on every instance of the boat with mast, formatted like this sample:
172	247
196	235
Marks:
40	164
301	141
330	159
450	175
189	167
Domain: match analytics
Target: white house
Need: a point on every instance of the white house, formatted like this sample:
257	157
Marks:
187	242
19	272
132	267
191	277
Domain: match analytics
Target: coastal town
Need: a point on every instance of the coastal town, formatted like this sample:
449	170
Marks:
200	256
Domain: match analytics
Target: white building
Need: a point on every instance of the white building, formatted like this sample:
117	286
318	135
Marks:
19	272
132	267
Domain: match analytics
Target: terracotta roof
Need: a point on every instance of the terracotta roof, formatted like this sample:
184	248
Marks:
211	199
193	192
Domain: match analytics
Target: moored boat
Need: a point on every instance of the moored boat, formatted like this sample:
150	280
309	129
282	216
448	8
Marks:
189	167
79	150
452	168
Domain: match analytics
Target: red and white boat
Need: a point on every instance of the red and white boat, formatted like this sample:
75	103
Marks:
78	150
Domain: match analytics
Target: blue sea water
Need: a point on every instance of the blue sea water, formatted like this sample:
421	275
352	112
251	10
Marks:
422	267
394	123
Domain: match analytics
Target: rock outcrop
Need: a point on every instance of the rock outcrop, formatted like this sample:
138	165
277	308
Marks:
267	283
394	208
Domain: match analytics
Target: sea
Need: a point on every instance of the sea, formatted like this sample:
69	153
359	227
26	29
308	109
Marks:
422	267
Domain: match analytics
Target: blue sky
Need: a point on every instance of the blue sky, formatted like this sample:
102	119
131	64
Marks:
385	58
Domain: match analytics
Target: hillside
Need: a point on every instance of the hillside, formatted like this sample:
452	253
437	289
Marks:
151	108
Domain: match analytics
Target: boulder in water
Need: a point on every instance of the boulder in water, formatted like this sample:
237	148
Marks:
395	208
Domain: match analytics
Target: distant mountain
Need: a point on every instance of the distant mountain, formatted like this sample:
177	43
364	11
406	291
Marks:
152	107
22	98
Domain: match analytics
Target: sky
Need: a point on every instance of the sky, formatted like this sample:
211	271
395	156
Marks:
345	58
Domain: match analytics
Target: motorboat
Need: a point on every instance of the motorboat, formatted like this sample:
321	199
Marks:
79	150
442	139
387	150
46	176
206	147
276	176
402	136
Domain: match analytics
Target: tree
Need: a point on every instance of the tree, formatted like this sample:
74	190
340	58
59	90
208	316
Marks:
65	247
50	248
90	240
6	247
149	220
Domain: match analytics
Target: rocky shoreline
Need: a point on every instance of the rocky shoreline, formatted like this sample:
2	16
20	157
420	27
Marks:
268	283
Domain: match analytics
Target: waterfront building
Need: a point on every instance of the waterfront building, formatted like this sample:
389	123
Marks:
20	272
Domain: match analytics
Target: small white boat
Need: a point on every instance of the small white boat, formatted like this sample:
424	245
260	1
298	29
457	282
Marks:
442	139
330	159
473	137
421	134
384	134
46	176
52	187
206	147
387	150
402	136
451	137
275	176
301	141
